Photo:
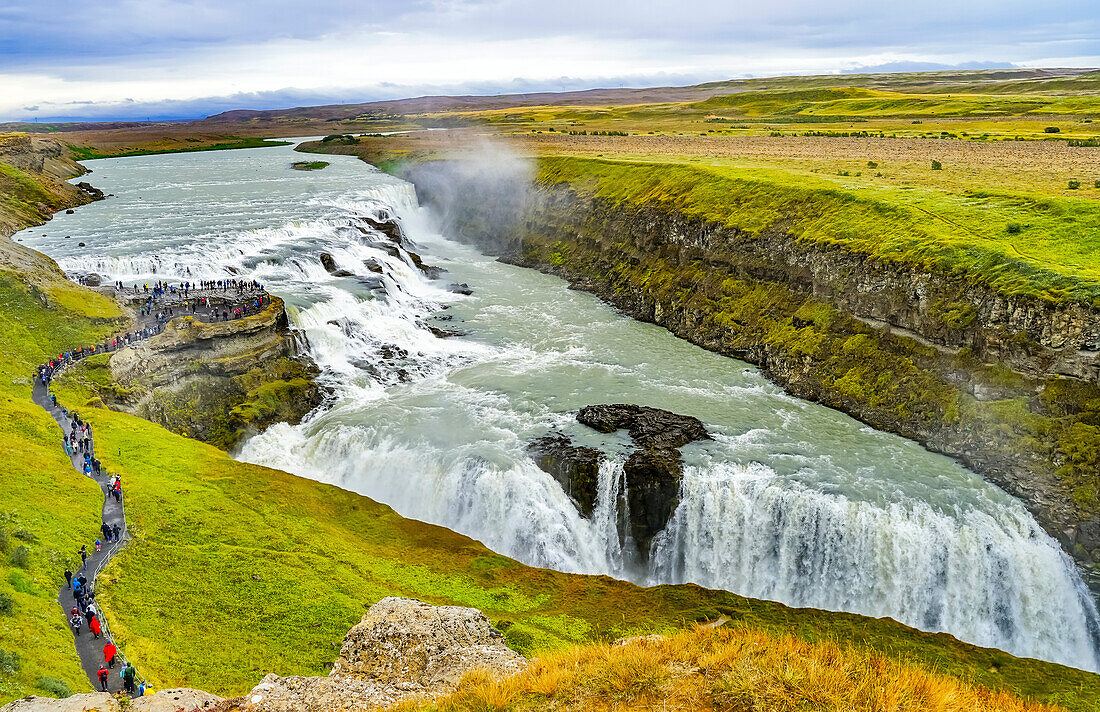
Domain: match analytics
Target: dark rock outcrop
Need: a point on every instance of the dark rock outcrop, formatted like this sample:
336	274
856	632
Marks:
652	492
650	428
653	471
388	227
576	469
92	192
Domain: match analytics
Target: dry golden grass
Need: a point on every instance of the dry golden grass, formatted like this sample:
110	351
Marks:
724	669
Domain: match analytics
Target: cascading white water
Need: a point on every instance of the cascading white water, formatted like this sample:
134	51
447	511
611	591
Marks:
791	501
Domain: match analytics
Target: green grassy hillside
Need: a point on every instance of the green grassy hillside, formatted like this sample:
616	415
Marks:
49	508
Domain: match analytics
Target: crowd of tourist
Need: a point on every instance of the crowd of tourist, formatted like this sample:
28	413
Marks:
161	303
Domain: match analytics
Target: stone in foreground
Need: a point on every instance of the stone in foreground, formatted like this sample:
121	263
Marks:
402	649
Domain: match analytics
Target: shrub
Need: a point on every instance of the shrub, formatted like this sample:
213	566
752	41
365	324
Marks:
1096	184
20	557
54	686
937	166
24	535
1052	129
872	164
7	604
10	663
340	138
1074	184
1013	228
5	543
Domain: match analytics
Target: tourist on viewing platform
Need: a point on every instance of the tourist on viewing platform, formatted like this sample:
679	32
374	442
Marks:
83	557
103	674
69	579
109	653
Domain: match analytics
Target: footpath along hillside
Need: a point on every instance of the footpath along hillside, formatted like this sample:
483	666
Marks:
160	303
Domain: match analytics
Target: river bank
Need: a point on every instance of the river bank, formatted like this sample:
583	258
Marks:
1006	384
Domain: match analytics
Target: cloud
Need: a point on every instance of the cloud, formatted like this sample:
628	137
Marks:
182	55
910	66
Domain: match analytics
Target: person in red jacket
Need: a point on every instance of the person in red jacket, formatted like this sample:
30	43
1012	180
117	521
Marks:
109	653
103	675
94	625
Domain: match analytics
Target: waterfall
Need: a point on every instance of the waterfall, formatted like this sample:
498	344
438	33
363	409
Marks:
999	582
790	502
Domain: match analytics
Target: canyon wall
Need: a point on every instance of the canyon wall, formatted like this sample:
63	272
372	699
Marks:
1008	385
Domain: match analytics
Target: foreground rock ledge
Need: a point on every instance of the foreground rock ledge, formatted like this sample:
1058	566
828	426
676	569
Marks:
402	649
175	700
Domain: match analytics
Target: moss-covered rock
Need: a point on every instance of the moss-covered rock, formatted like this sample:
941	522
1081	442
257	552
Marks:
1006	383
217	382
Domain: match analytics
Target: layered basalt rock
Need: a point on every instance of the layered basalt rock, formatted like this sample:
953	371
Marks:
653	471
1007	384
216	381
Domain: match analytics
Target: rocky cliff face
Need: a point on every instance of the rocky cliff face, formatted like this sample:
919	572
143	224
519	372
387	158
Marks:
33	171
1008	385
653	471
216	382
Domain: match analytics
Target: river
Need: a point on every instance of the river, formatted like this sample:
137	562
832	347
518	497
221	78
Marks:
791	501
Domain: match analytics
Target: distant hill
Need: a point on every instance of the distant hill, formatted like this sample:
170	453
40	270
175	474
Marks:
962	81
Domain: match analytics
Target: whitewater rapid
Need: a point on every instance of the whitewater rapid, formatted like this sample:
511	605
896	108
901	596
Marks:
791	501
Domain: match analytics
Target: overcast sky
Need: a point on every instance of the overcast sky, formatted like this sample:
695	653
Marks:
107	59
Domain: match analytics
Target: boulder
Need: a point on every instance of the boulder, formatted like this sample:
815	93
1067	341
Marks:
92	192
439	333
407	641
328	262
648	427
99	701
577	469
402	649
181	699
93	280
460	289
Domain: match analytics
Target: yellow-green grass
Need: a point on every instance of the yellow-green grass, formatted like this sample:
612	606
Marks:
1051	257
49	508
87	153
859	102
732	668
